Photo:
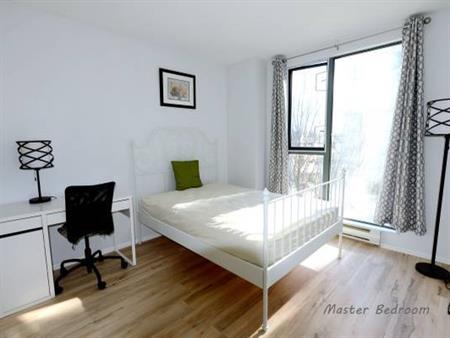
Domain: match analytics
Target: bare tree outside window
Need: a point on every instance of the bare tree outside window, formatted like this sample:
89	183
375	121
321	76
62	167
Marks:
308	118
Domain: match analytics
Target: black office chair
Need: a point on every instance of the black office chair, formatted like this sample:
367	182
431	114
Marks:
88	213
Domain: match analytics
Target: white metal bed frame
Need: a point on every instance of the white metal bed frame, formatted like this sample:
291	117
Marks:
153	174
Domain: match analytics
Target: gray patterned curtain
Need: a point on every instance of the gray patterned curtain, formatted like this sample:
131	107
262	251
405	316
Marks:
401	201
278	162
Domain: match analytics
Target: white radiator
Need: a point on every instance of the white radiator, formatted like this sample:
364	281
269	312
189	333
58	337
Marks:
361	233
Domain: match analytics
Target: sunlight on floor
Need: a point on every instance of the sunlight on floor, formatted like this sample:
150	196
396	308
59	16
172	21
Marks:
69	307
317	261
321	258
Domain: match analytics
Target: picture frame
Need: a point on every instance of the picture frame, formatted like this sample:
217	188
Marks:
177	89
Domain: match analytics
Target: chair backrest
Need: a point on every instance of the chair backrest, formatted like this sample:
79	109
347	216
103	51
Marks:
88	210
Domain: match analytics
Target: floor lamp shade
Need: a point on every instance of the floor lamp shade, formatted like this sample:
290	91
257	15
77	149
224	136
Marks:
36	155
438	124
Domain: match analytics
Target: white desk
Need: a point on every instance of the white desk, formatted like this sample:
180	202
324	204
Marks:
26	269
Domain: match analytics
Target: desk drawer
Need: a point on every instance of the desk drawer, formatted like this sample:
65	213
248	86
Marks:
19	225
56	218
121	205
60	217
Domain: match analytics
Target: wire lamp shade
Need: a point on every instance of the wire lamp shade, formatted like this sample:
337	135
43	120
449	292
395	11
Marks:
438	118
36	155
438	124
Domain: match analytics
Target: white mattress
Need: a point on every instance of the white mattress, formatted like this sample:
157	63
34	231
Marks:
231	218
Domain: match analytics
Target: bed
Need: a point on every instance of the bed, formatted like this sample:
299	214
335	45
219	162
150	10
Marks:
257	235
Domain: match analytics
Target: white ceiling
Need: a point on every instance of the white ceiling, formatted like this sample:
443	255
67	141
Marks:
232	31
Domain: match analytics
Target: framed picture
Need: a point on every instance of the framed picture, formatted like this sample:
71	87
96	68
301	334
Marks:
176	89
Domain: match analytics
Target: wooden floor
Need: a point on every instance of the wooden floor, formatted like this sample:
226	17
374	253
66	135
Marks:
175	293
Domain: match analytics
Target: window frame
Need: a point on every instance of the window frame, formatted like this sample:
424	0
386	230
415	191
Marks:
326	150
310	150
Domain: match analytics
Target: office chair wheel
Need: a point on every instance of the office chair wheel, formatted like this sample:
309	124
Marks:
123	264
101	285
58	289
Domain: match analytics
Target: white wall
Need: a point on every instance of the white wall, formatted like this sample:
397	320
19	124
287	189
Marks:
246	123
91	92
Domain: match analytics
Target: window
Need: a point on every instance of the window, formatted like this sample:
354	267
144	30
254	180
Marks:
308	112
307	125
340	116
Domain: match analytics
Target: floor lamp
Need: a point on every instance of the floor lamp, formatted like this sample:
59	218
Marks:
438	124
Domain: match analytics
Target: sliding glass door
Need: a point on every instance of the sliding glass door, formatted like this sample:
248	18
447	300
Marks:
365	89
340	116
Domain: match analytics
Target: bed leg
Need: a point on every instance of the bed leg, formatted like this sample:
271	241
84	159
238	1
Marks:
265	312
340	246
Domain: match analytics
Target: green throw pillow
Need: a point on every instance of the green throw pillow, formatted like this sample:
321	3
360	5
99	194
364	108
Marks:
187	174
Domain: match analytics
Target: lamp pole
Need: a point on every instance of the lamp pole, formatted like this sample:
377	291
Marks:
437	119
38	184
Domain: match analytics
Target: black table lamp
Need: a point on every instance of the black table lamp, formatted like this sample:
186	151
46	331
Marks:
36	155
438	124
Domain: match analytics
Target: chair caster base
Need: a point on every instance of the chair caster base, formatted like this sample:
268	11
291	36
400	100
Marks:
101	285
263	329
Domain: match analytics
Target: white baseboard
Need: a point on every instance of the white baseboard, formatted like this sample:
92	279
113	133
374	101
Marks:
110	249
426	256
148	237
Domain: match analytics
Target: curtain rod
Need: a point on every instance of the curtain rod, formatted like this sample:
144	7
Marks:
426	21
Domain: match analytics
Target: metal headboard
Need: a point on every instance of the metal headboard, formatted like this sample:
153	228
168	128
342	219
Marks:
152	168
